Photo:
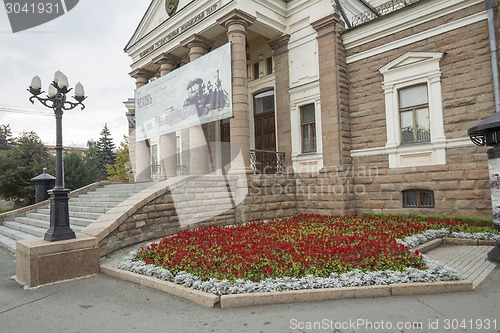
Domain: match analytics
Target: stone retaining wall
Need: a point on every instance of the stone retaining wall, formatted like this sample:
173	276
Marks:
194	203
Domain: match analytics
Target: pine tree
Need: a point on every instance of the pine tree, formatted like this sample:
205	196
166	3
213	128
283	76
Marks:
105	153
76	173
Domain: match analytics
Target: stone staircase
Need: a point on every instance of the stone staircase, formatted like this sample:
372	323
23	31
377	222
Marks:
83	210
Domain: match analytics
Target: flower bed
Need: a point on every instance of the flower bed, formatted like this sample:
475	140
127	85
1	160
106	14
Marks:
305	251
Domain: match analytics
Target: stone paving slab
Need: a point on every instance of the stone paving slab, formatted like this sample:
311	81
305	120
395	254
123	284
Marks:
470	261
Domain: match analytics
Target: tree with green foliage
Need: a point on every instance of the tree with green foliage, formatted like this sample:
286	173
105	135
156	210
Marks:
90	159
120	170
24	160
76	172
105	153
5	137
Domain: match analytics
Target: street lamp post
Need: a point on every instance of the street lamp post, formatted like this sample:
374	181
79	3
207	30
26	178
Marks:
56	100
487	133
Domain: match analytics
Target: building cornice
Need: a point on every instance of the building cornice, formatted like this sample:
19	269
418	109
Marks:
481	16
404	19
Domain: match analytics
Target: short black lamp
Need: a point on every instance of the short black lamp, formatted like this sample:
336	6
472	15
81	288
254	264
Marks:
487	133
56	100
43	184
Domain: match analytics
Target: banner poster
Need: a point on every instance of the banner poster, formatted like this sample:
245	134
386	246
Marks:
494	173
194	94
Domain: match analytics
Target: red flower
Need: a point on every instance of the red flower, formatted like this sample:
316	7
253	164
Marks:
294	247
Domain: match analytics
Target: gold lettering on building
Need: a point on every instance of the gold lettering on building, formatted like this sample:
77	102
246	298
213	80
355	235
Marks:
188	24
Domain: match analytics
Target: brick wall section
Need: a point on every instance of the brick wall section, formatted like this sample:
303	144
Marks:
328	193
270	196
460	187
194	200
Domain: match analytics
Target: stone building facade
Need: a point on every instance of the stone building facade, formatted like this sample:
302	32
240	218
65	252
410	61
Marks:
337	106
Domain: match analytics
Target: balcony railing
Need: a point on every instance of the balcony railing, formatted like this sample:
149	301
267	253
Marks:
155	172
383	9
181	170
267	162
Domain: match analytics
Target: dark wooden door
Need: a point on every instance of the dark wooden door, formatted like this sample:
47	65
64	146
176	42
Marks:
265	132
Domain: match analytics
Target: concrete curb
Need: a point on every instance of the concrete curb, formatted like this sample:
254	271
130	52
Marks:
289	296
199	297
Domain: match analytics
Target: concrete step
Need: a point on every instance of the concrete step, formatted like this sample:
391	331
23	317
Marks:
15	234
45	215
111	194
38	216
26	228
85	198
7	243
83	210
79	223
106	204
44	224
124	189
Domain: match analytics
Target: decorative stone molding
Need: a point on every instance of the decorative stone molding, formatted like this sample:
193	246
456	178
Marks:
279	45
197	45
168	62
327	24
237	17
141	76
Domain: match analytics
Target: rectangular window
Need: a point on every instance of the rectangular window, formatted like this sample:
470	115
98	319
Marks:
264	102
308	128
256	71
269	65
414	114
418	199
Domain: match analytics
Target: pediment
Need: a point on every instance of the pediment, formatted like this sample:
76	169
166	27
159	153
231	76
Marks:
155	15
411	58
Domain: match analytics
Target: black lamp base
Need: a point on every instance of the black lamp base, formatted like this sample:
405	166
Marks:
59	216
494	255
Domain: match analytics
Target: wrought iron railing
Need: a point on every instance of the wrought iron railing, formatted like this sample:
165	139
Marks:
155	172
181	170
267	162
383	9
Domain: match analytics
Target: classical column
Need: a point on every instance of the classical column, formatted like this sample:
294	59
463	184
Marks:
236	23
168	143
141	160
334	92
199	159
282	78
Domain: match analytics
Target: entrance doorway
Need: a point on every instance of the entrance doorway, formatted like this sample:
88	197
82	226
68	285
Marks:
265	126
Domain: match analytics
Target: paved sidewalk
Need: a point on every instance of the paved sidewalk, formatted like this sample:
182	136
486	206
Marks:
103	304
